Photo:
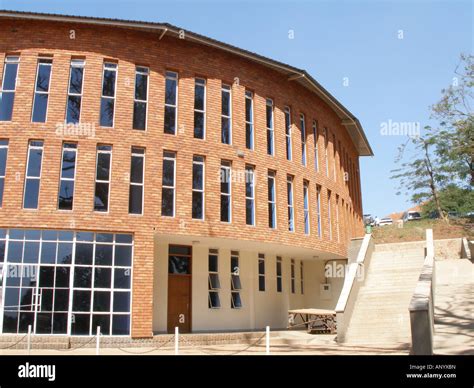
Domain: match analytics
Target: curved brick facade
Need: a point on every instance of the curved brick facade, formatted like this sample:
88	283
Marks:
129	48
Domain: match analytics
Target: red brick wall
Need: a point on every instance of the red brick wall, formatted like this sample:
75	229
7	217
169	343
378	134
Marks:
129	48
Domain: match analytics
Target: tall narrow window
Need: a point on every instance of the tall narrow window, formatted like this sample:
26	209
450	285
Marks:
306	207
74	98
261	272
226	115
337	218
235	283
326	139
7	93
302	277
316	155
102	178
198	187
303	139
171	102
226	192
329	215
291	214
40	103
270	133
141	98
249	142
68	176
288	133
271	200
168	191
214	283
279	274
250	195
3	166
199	108
137	181
293	276
318	209
33	174
334	157
107	101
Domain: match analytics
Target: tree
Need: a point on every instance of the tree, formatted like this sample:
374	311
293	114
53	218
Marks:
452	198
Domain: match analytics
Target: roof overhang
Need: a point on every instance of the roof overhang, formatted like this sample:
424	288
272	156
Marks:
348	120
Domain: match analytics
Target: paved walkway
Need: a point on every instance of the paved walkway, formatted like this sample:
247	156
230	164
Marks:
454	307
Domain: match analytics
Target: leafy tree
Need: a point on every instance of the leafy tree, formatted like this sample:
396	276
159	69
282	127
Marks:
452	198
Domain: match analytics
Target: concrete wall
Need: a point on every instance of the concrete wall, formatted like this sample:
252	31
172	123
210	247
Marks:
448	248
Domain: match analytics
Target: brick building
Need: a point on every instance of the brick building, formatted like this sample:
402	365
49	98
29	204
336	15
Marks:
151	177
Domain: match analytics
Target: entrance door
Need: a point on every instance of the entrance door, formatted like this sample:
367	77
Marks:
179	288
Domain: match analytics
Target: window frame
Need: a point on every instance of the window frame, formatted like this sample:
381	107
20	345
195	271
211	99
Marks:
303	139
109	181
306	212
36	92
102	97
64	149
202	163
279	274
227	166
81	63
318	210
135	100
316	152
271	176
288	134
10	59
136	154
4	144
250	180
30	148
201	82
225	88
211	289
261	260
167	156
171	75
269	105
234	255
290	203
249	134
292	276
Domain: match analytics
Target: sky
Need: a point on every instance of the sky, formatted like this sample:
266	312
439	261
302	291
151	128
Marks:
386	61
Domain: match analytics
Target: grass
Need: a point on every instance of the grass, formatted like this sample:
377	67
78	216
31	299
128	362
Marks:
415	230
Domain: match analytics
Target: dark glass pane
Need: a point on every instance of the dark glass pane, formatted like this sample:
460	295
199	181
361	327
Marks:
122	278
236	285
213	263
249	211
12	298
198	176
40	108
81	301
73	112
179	265
59	323
141	87
236	301
32	234
180	250
248	110
225	104
44	323
42	81
34	163
103	277
225	208
80	324
123	255
121	302
271	187
168	172
214	281
3	160
31	194
46	276
62	277
26	319
82	277
29	276
271	215
103	321
170	94
61	299
199	97
66	195
139	115
26	295
170	120
101	199
270	142
225	182
121	325
104	237
124	238
46	299
9	78
199	125
103	254
279	285
51	235
84	253
198	199
136	169
135	203
75	84
261	283
248	183
248	136
102	301
261	267
103	166
69	164
13	275
2	251
64	253
214	301
10	322
225	122
167	202
107	112
15	251
108	87
6	105
269	116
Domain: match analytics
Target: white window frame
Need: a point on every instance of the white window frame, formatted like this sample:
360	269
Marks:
318	210
215	290
135	154
326	140
33	147
250	175
289	145
316	153
302	277
279	277
330	214
292	276
227	166
103	181
337	219
272	202
290	202
202	83
172	75
110	66
303	139
173	158
249	98
202	163
261	258
270	129
76	63
35	92
10	59
227	89
334	157
235	272
147	73
307	223
2	176
68	149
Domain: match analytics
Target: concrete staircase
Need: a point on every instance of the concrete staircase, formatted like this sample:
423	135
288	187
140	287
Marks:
380	314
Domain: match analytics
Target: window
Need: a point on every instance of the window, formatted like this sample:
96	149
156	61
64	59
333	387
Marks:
249	136
107	101
302	277
250	195
33	174
198	187
7	93
235	283
293	277
271	200
337	218
141	98
303	139
199	108
226	190
171	102
72	282
279	276
68	176
315	135
137	181
226	115
261	272
318	209
3	166
40	102
102	178
214	283
329	215
168	184
288	133
326	136
74	98
334	157
306	207
270	133
291	214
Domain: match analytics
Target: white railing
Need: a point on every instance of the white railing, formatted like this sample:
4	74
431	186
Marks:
422	304
355	278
